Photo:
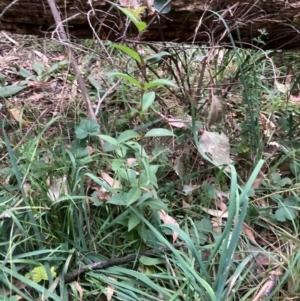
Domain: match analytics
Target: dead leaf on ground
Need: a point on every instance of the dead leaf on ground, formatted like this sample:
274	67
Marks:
111	181
217	111
167	219
110	289
217	146
16	114
79	289
58	188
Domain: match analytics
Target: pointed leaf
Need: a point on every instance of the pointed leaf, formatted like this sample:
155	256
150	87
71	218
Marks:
159	133
148	99
128	135
127	78
159	82
128	51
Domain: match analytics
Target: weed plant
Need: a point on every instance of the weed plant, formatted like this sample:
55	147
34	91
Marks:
76	191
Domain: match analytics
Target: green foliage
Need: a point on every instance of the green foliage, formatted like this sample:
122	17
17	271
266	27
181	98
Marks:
67	200
86	128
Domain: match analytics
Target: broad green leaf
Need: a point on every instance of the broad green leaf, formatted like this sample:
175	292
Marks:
39	273
109	139
127	78
52	70
156	204
96	84
57	66
116	164
284	214
8	91
203	228
133	221
130	14
38	67
159	82
25	73
117	199
133	195
147	101
87	127
145	260
141	26
128	51
128	135
159	133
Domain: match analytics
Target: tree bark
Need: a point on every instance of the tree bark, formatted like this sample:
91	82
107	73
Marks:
189	21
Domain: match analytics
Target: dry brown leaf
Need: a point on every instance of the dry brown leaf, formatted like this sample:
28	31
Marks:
58	188
16	114
216	223
247	230
79	289
90	150
221	205
102	194
110	290
167	219
289	77
216	111
216	213
41	56
110	181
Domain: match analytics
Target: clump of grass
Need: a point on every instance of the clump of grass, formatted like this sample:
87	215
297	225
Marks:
77	191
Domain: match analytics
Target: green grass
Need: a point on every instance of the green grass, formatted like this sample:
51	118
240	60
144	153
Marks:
108	199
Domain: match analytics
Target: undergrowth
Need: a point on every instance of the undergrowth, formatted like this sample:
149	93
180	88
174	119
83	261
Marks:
192	145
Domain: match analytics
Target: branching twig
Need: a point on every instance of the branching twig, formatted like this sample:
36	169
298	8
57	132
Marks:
116	261
63	36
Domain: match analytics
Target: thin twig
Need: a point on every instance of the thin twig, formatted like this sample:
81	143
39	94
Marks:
116	261
64	38
7	7
104	96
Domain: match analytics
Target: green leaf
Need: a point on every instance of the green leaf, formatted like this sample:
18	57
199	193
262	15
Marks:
52	70
159	82
25	73
133	195
96	84
39	273
127	78
117	199
152	59
158	4
147	101
156	204
78	148
130	14
128	135
149	261
132	53
203	227
284	214
109	139
159	133
133	221
38	67
8	91
87	127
